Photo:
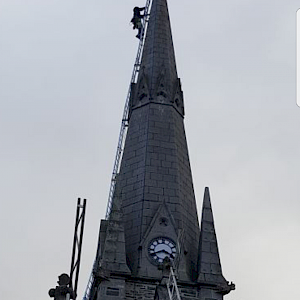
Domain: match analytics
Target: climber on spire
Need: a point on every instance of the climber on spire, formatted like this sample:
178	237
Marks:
136	20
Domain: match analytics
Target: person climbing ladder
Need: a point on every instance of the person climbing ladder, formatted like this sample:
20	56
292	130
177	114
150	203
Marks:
136	20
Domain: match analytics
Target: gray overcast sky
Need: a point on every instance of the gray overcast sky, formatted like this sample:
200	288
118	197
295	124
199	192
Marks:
65	68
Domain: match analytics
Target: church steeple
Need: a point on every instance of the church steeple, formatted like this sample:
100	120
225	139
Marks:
154	213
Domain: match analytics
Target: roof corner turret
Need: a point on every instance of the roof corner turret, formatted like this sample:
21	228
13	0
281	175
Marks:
210	270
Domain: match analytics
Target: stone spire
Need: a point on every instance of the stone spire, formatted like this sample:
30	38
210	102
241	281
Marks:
209	258
155	167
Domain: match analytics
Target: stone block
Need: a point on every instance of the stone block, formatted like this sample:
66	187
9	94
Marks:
156	176
172	185
216	269
206	246
207	215
166	164
162	184
151	182
155	162
206	257
150	197
170	192
156	190
169	178
167	145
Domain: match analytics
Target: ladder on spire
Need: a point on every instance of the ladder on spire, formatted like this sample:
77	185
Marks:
124	123
122	137
172	286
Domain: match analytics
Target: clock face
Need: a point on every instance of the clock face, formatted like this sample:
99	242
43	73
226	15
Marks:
160	248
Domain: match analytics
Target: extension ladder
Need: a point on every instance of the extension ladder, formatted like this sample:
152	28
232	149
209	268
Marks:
122	135
124	123
172	286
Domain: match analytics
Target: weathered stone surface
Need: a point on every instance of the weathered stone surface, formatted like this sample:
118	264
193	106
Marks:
209	259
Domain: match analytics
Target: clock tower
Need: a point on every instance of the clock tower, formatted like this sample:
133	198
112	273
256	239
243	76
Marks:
154	215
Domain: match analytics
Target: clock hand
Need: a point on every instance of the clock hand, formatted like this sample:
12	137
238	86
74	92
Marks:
164	251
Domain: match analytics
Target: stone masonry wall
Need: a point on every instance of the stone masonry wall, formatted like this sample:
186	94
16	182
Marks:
140	291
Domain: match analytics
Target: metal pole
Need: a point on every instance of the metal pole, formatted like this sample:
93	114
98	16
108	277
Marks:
74	241
77	244
80	245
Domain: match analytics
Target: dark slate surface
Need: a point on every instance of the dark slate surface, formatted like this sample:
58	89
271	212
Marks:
159	50
155	168
113	256
210	265
155	165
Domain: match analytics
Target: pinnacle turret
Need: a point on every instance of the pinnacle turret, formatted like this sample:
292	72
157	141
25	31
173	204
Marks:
209	258
113	256
210	265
